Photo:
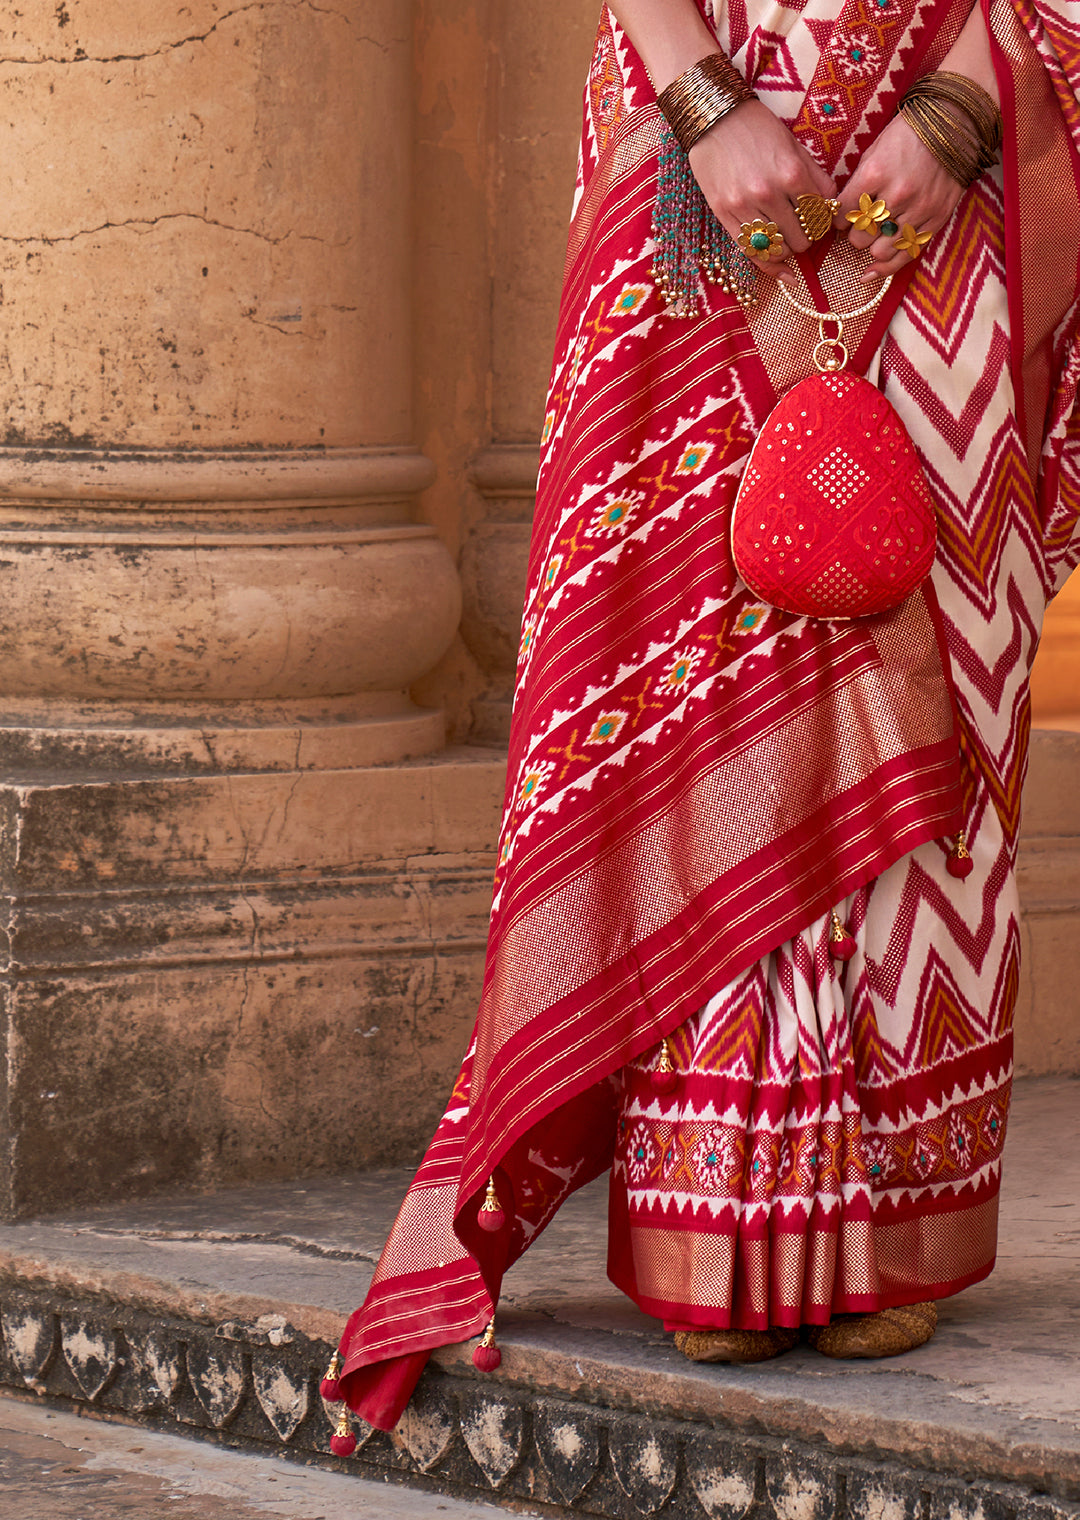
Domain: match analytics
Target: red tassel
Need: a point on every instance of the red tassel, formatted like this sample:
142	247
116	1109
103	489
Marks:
841	943
491	1216
343	1441
330	1388
663	1078
959	862
487	1356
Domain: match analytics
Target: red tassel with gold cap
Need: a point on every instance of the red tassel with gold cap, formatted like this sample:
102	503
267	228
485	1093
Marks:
491	1216
959	862
330	1388
487	1356
841	942
663	1077
343	1441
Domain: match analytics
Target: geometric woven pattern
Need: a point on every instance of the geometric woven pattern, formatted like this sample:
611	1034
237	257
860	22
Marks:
696	778
912	1037
833	518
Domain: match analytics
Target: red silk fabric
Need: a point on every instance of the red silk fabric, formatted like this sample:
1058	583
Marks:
694	778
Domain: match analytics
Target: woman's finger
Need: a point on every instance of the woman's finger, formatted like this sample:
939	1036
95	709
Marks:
879	270
873	217
783	213
821	183
891	254
750	236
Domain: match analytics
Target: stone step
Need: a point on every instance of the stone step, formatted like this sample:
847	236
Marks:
1048	876
214	1316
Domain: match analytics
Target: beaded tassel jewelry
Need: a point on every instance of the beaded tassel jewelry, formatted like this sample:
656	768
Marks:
690	242
726	265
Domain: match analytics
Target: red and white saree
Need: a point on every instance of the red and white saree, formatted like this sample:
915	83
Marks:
696	779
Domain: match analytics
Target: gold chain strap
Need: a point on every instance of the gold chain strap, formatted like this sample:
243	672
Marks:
838	351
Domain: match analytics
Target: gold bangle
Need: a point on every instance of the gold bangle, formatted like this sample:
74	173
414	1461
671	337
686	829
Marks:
957	121
698	99
980	107
953	159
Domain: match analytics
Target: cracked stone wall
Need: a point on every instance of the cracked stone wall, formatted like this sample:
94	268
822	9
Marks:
189	222
243	880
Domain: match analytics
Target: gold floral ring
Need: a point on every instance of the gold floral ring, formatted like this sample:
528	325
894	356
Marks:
873	216
910	241
761	240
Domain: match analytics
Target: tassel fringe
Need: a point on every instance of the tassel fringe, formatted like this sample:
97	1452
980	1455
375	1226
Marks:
491	1216
691	245
841	942
487	1356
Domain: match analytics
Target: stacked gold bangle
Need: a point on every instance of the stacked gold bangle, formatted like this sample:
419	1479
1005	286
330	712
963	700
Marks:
699	98
957	120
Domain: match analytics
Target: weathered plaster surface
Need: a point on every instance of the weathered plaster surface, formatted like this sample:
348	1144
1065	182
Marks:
194	247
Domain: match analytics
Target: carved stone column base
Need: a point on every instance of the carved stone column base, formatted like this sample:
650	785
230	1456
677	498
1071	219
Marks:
317	734
218	977
494	562
1048	871
212	608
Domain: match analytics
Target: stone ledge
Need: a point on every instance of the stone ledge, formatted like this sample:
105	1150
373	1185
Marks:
254	1383
436	908
229	1305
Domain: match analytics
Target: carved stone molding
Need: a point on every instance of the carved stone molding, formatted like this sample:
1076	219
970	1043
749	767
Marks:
258	477
490	1438
505	475
166	594
494	563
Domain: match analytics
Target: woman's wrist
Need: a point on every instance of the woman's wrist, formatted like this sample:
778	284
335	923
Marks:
970	55
670	36
957	121
701	96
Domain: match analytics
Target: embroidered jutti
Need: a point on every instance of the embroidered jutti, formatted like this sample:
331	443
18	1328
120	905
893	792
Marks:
696	781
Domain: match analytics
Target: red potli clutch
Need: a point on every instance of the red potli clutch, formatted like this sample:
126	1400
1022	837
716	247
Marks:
833	518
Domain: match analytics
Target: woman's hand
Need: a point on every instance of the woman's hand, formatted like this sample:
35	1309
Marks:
749	165
899	170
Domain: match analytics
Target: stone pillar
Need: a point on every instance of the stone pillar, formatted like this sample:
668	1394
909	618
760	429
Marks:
1048	1014
536	109
244	884
1055	679
1048	872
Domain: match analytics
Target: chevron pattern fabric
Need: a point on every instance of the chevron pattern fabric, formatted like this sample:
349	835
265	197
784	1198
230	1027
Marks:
697	781
826	1111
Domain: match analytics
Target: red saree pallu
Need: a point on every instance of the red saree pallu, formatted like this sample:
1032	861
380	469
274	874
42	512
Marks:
697	782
